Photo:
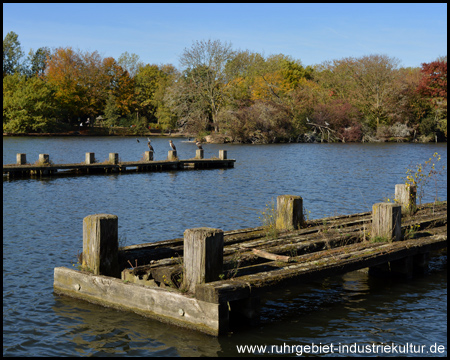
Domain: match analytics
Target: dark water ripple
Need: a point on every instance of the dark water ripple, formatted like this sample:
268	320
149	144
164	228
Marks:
42	229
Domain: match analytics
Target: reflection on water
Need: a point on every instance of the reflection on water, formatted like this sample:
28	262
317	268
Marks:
42	229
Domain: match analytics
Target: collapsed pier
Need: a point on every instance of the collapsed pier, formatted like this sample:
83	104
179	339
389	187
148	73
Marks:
210	277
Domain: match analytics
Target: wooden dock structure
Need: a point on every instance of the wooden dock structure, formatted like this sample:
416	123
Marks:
44	167
209	278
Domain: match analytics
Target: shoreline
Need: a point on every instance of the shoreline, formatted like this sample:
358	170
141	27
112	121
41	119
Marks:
179	135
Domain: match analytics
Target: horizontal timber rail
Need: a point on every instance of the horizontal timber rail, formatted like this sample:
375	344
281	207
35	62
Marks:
44	167
210	277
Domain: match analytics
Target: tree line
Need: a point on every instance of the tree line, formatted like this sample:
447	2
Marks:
236	95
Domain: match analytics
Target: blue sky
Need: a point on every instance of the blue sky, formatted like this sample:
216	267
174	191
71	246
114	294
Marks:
312	33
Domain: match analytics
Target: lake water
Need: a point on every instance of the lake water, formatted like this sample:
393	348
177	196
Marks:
42	229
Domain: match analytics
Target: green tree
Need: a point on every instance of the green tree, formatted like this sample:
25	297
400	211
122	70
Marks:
146	84
166	78
28	105
37	61
12	53
112	112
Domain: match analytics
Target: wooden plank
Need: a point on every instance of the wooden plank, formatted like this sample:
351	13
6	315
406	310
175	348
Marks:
162	304
267	255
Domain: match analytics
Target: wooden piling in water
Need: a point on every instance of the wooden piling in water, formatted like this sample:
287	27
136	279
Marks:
203	256
289	212
222	154
386	221
101	245
172	155
90	158
199	154
114	158
405	195
21	159
44	159
148	156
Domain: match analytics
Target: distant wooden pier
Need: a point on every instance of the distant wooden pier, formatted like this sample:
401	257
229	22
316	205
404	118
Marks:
44	167
210	278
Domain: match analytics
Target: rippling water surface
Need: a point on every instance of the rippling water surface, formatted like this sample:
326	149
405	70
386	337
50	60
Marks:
42	229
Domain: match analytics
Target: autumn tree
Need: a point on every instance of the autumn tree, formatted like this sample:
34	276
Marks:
93	82
433	86
120	85
367	82
240	75
276	76
339	117
63	72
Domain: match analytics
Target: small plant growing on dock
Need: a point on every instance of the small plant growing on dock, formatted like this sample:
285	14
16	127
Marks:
422	175
79	257
390	198
380	239
41	162
411	231
306	215
235	262
365	235
268	218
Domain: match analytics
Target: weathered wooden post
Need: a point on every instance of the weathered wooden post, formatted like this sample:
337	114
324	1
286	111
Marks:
405	195
203	256
101	244
148	156
387	221
199	154
90	158
222	154
289	212
114	158
172	156
21	159
44	159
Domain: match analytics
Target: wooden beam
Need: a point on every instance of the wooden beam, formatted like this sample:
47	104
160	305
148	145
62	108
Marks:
266	255
166	305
